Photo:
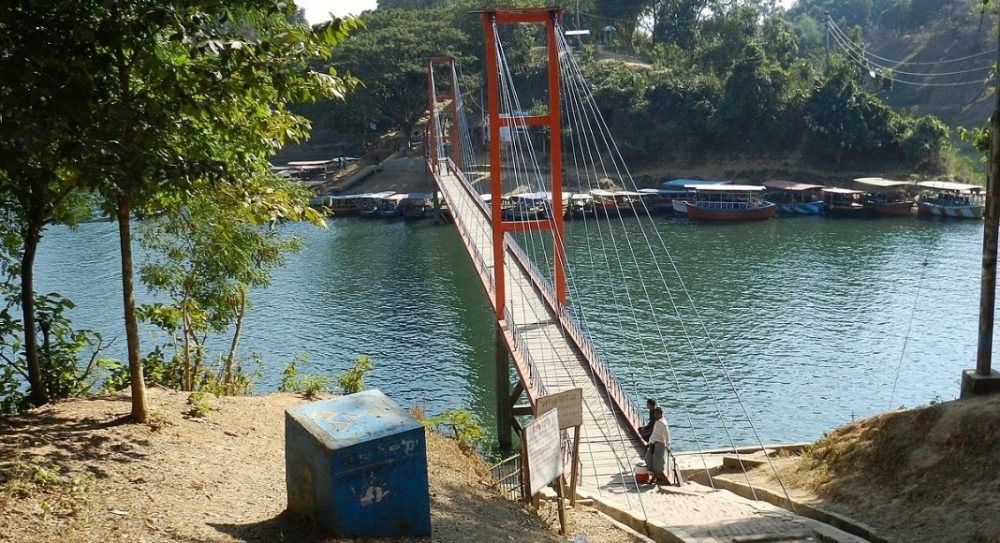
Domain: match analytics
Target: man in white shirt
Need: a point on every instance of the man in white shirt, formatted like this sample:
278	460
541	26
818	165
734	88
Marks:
659	444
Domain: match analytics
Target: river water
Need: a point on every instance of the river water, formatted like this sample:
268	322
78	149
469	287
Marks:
810	322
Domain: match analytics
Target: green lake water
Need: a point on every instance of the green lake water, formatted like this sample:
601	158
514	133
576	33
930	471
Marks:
806	318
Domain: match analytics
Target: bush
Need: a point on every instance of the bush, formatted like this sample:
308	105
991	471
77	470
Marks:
464	426
353	380
310	386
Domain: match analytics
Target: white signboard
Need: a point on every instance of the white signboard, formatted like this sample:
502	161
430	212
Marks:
541	439
570	406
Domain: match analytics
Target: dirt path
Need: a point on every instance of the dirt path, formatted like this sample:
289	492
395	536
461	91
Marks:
75	472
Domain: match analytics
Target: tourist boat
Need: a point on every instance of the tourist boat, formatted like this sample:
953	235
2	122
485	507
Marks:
344	206
391	206
843	202
661	200
730	203
417	205
885	196
947	199
528	206
370	205
580	206
791	197
618	202
681	189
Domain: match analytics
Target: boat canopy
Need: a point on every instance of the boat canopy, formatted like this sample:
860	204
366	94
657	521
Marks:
533	196
626	193
948	185
398	197
682	183
727	188
375	195
881	183
602	193
580	196
790	186
838	190
486	197
419	195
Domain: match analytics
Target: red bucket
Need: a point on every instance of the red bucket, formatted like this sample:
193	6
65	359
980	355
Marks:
642	474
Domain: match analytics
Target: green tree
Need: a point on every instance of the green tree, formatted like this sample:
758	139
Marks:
43	99
207	251
194	92
390	56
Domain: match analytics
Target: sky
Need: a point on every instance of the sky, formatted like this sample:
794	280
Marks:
319	10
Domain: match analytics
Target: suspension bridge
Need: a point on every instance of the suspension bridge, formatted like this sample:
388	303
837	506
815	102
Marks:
546	329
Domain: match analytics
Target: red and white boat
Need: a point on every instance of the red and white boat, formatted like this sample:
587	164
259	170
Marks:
729	203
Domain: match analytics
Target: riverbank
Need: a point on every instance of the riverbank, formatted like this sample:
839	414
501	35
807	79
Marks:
924	474
76	471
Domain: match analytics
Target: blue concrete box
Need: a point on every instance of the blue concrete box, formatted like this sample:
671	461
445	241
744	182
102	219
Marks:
358	465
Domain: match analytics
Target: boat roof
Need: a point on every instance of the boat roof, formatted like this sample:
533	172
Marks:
602	192
486	197
378	195
681	183
838	190
881	183
580	196
727	188
300	163
533	195
398	197
790	186
948	185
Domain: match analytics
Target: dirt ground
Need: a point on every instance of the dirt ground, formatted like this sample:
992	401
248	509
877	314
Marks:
926	474
76	471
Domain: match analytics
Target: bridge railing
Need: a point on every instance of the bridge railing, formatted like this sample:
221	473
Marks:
625	402
622	398
534	377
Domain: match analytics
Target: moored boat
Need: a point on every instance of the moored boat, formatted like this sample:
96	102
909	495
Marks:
730	203
661	200
886	196
344	206
681	189
580	206
843	202
370	204
791	197
947	199
610	203
417	205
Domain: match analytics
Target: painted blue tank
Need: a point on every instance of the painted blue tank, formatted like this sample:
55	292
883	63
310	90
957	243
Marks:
358	465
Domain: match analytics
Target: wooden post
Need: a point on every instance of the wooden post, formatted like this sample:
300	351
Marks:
525	472
563	523
574	475
502	375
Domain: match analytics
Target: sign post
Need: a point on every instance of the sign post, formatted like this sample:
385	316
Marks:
543	458
569	406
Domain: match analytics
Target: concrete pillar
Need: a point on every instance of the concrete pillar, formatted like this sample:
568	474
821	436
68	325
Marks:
502	374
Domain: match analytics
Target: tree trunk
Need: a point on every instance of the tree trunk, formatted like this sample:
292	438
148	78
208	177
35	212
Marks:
32	235
241	307
139	410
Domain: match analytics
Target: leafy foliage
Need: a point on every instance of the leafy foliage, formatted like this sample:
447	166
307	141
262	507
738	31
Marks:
310	386
465	427
353	380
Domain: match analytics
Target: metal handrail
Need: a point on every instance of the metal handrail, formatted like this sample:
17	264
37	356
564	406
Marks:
626	402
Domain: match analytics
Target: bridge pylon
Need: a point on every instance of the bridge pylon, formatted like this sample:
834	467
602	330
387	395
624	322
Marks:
433	103
506	402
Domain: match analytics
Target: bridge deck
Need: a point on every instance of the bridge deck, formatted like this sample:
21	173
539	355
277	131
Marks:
545	355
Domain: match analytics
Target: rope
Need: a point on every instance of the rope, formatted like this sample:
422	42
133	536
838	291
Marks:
909	327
